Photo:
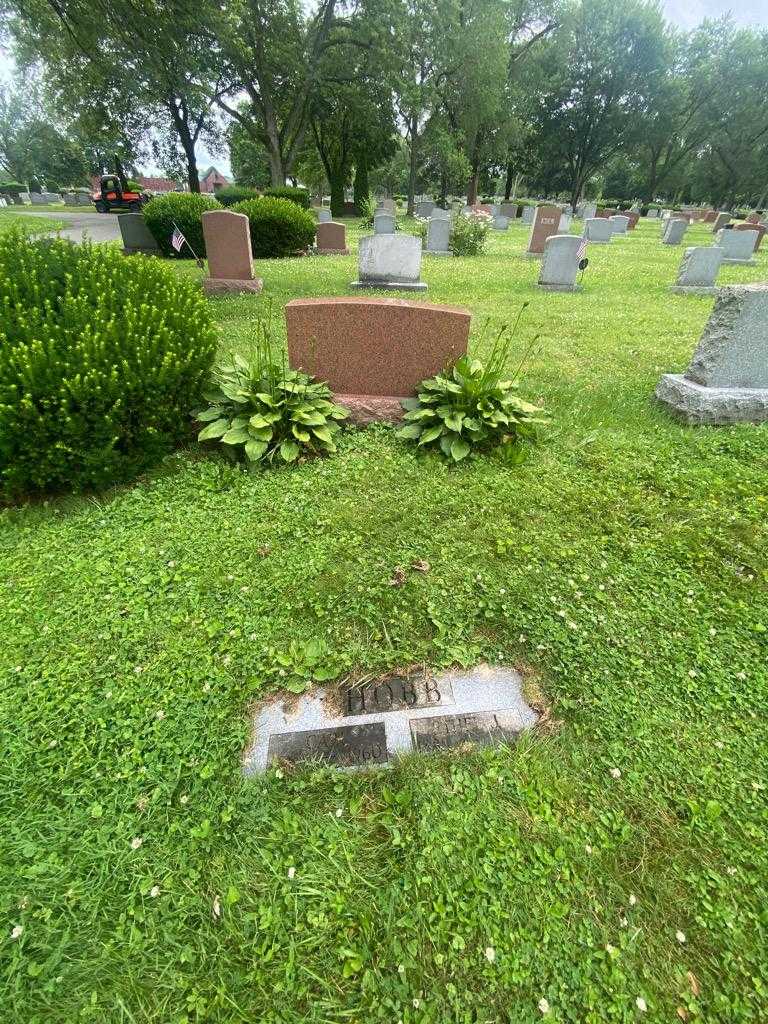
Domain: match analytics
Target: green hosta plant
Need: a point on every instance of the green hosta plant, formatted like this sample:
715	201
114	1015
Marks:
472	408
262	411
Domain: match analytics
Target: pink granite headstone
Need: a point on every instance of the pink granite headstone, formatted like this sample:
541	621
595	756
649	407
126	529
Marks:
546	222
753	226
332	239
374	351
228	247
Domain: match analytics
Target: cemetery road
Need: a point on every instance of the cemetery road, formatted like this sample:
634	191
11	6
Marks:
99	227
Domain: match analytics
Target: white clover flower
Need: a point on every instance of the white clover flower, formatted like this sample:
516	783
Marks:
339	812
291	872
632	899
136	843
154	891
641	1004
543	1005
16	933
160	715
616	773
680	936
490	954
216	908
138	670
184	799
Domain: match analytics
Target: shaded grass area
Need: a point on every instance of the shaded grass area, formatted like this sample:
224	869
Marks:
28	221
623	566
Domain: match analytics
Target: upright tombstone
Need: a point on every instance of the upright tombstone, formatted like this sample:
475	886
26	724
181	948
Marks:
324	215
438	236
508	210
424	208
37	199
136	235
565	223
720	221
387	204
384	223
753	226
737	246
698	271
545	224
228	247
560	263
529	212
391	262
440	214
652	214
710	216
332	239
589	210
374	351
674	231
634	217
727	380
619	224
500	223
597	229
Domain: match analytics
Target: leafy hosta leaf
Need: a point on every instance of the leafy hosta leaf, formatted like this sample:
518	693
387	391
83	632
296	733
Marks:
210	414
431	433
323	434
237	435
265	399
445	443
299	434
409	403
215	429
215	396
459	449
311	418
235	394
289	450
454	421
255	449
261	433
419	414
258	420
410	432
338	412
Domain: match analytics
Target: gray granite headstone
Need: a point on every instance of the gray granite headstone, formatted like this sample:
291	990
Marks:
391	262
589	210
500	223
440	214
136	235
674	231
37	199
598	229
565	223
529	212
737	246
324	215
560	263
424	208
384	223
698	271
619	224
438	236
727	380
366	725
508	210
721	220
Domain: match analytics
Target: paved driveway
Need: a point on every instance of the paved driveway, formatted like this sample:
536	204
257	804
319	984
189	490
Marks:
99	227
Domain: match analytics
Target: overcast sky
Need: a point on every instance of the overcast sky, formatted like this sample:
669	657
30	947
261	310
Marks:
685	13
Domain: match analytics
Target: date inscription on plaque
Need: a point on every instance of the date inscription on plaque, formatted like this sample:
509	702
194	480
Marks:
348	746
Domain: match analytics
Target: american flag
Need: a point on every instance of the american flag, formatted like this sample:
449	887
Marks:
177	240
581	250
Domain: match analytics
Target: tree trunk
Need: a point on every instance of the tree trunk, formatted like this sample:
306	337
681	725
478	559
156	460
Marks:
413	165
336	181
362	189
193	178
472	187
508	182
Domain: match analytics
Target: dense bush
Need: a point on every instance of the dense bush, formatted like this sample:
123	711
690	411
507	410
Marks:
101	357
35	185
472	408
186	209
262	411
12	187
469	233
278	226
300	196
51	186
231	194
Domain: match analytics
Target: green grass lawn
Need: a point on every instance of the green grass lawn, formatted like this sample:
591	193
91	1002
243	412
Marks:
17	217
622	567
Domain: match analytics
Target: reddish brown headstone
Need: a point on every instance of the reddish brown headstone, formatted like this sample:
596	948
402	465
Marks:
228	247
602	212
753	218
634	217
371	351
332	239
710	216
546	222
753	226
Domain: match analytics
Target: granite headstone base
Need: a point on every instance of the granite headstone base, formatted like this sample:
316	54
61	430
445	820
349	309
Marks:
231	286
693	289
700	404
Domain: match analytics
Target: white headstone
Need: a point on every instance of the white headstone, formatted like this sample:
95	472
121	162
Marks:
390	262
598	229
619	224
698	270
737	246
424	208
529	212
565	223
438	235
500	223
324	215
384	223
589	210
560	263
674	230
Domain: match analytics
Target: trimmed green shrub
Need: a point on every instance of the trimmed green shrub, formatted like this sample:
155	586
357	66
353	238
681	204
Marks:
101	357
35	185
186	209
300	196
12	187
231	194
278	226
51	186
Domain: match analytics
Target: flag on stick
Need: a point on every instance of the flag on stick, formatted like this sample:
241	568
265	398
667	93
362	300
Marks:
178	240
581	250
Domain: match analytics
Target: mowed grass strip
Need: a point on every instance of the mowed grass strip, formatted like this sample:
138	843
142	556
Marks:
618	858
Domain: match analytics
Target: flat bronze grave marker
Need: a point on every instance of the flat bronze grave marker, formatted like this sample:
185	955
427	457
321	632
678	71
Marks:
348	746
481	728
394	693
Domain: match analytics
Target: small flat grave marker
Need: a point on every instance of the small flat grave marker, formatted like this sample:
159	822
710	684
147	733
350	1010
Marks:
481	729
